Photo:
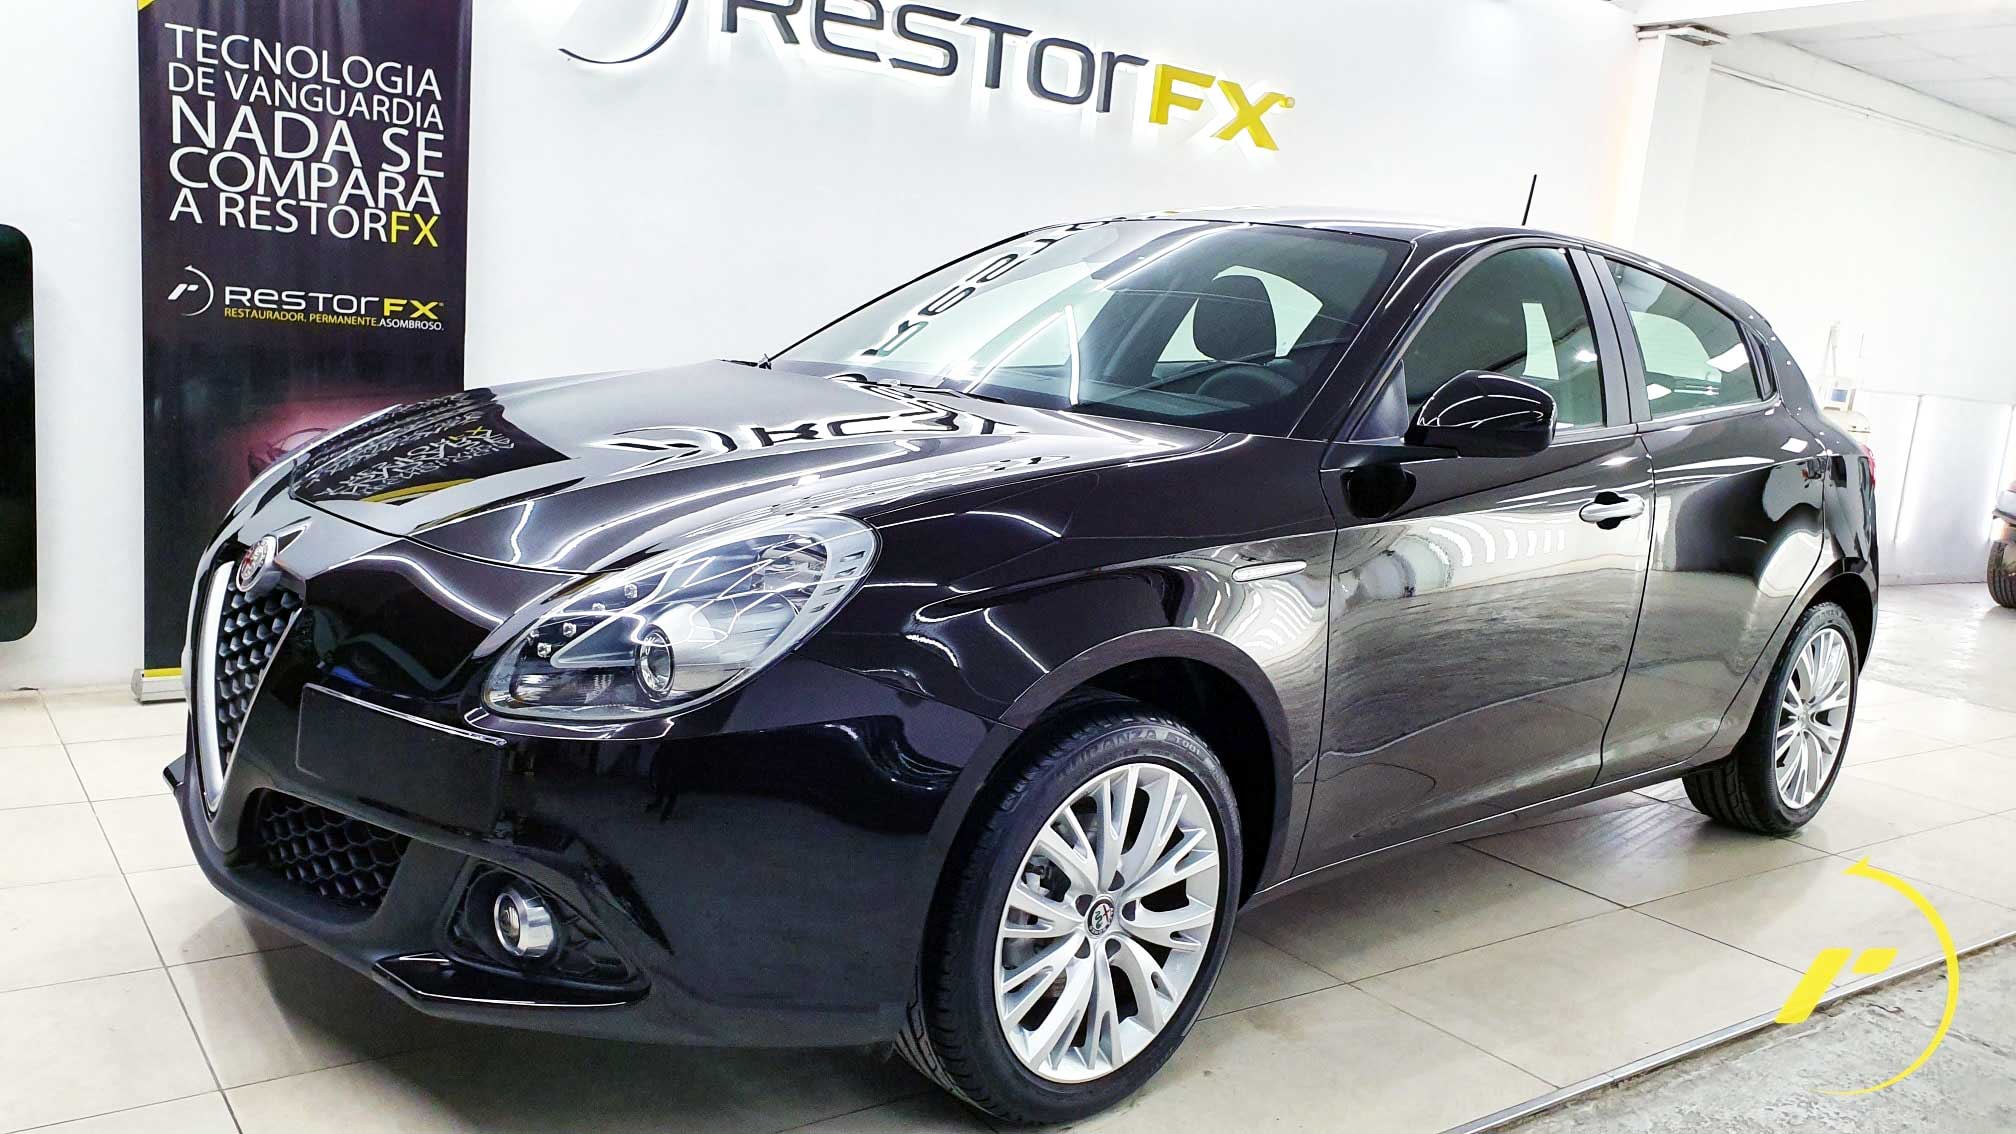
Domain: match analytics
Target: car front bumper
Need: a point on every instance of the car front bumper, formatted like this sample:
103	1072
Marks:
759	875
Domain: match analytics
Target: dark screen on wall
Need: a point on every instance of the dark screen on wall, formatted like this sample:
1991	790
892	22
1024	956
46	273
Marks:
17	437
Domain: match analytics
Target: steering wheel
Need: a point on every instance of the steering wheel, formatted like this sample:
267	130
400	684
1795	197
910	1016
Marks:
1247	384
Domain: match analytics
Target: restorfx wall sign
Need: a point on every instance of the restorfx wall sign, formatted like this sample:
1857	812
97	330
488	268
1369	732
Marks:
923	39
303	173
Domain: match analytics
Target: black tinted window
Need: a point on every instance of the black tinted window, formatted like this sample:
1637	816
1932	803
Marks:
1226	326
1694	355
1521	314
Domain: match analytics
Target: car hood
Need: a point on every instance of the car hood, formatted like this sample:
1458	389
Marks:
587	473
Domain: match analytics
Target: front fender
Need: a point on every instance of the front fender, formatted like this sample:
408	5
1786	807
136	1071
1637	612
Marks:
1003	602
1015	655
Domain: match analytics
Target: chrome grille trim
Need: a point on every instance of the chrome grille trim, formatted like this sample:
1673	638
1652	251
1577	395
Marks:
203	660
219	603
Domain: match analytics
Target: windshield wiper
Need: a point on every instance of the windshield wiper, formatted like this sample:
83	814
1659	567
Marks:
949	391
944	391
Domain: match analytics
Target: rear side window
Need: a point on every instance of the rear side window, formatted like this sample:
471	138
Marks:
1519	313
1694	355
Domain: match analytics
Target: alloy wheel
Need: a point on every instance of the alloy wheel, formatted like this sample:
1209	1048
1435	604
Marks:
1107	922
1813	718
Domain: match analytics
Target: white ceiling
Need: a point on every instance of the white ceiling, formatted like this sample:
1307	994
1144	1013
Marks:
1965	58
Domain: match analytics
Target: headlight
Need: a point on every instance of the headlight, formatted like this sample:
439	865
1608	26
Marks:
684	626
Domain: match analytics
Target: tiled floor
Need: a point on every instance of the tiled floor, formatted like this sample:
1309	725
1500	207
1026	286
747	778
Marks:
1806	1078
1411	997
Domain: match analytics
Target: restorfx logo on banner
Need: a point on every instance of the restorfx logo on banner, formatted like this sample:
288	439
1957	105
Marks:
198	294
923	39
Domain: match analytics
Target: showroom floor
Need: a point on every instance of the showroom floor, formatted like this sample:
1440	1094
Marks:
1411	997
1775	1082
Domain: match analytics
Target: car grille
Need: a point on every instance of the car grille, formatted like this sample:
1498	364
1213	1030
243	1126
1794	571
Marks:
338	857
249	631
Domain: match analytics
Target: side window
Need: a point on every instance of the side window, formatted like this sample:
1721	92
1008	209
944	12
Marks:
1694	355
1520	313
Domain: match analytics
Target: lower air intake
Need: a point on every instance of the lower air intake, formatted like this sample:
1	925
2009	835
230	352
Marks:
340	858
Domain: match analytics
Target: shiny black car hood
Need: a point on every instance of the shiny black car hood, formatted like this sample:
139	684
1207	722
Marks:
586	473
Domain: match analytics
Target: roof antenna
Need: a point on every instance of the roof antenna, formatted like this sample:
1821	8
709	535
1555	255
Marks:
1531	188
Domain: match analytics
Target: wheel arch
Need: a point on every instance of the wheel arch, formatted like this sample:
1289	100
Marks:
1204	681
1847	582
1850	591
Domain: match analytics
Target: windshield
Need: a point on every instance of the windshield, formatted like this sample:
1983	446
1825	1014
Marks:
1205	323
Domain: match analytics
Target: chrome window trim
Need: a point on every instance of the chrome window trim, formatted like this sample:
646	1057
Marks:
1692	417
1592	432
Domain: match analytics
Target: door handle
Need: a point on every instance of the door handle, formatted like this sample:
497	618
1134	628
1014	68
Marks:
1612	508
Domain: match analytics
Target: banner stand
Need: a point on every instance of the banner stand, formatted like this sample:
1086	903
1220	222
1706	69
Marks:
152	685
304	203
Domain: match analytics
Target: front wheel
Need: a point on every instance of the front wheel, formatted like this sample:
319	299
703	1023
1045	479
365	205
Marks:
1087	921
1785	766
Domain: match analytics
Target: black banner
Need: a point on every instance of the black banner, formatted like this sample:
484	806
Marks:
303	193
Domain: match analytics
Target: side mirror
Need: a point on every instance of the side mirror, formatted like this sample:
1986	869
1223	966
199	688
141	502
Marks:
1480	414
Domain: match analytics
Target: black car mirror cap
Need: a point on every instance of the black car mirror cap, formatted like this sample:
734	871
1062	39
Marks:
1481	414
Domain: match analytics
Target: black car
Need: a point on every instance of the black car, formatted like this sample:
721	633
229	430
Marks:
957	674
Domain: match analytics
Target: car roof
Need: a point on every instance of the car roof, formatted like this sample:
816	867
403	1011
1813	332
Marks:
1432	235
1392	226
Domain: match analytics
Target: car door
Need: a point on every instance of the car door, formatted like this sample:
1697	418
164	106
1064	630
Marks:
1737	517
1482	609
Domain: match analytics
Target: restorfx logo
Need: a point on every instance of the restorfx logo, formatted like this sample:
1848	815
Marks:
196	294
927	40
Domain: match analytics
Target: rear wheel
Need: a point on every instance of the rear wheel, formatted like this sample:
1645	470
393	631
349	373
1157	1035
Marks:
1087	922
2001	574
1781	773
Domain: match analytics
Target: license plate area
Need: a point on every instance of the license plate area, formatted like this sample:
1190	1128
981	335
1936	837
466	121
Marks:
401	763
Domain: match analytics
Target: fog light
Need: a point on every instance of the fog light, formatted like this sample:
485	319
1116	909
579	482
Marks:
524	924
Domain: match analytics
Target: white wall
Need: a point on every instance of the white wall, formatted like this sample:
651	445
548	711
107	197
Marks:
70	179
723	195
1821	215
1852	206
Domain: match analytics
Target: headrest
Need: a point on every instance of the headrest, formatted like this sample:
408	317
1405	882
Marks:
1235	320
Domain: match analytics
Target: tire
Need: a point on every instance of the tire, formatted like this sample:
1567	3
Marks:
1747	790
958	1036
2001	574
